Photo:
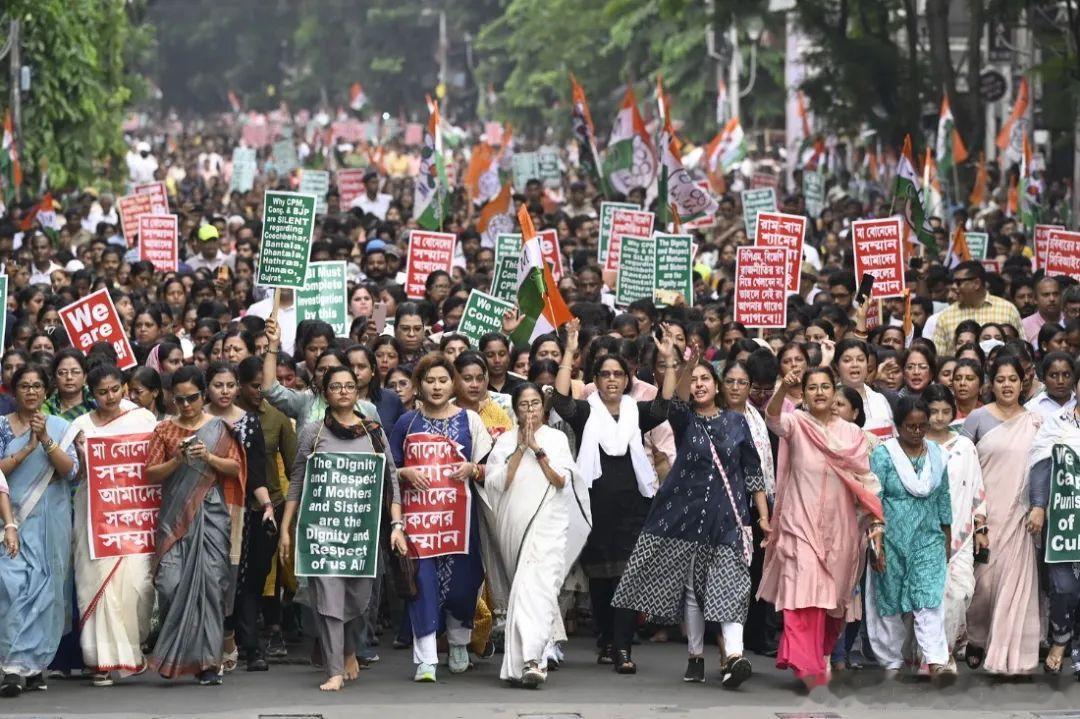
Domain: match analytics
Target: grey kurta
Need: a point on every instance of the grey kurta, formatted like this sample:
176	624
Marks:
343	598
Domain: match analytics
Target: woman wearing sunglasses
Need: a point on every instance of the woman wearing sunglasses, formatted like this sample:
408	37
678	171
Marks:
201	469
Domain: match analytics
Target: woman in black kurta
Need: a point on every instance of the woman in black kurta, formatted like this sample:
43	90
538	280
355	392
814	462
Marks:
621	481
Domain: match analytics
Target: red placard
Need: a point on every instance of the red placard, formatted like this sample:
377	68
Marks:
122	505
636	223
1041	235
131	208
879	251
776	229
764	179
761	286
94	319
158	241
350	185
159	195
1063	254
614	251
428	251
437	518
351	130
992	266
414	134
549	250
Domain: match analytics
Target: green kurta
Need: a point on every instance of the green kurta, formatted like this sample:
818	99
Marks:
915	563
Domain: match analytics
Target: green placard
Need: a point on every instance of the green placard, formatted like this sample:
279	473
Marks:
325	296
753	202
504	284
607	215
813	192
288	222
526	166
316	182
1063	512
4	294
548	161
483	313
977	243
507	245
285	160
674	266
337	529
637	270
243	169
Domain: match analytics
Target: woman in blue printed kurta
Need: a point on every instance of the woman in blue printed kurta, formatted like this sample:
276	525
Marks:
918	517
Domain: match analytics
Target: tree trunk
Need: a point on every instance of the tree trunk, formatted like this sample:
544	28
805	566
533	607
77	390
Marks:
937	23
911	24
974	119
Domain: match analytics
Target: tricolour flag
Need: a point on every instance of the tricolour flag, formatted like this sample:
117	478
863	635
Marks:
234	103
931	187
1030	191
482	175
728	148
950	146
584	133
357	98
676	188
907	188
429	196
631	160
497	217
1010	138
539	300
10	170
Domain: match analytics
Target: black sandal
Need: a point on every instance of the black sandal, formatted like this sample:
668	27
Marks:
974	657
606	655
623	663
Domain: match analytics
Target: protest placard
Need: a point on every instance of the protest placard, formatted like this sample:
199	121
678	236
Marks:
548	167
761	286
606	221
1041	235
776	229
428	251
507	244
288	224
255	132
122	506
813	184
992	265
3	293
755	201
764	178
316	182
285	160
94	319
636	270
437	518
525	166
350	185
243	169
978	243
493	133
483	313
705	221
414	134
549	250
131	208
338	524
628	223
325	296
158	241
1063	510
1063	254
159	196
674	268
504	283
879	251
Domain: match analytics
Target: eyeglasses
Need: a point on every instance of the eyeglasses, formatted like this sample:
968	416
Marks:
732	382
958	280
69	372
756	389
31	387
186	399
534	404
611	374
342	387
916	367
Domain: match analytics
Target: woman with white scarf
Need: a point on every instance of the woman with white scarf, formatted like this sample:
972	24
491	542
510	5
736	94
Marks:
621	480
918	517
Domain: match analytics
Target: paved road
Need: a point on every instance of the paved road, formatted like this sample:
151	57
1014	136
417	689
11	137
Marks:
582	688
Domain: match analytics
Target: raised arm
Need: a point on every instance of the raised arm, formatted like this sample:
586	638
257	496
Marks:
565	375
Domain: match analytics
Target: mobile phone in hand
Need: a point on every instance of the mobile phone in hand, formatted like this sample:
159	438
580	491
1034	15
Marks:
866	286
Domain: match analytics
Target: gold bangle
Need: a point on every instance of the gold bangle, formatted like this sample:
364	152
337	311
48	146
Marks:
565	366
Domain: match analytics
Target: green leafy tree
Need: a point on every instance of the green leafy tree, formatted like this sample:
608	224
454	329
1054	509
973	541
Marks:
72	116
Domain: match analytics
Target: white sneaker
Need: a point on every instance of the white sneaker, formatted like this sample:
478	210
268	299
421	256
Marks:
459	659
425	673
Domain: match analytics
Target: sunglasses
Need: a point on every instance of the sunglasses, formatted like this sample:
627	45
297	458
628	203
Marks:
187	399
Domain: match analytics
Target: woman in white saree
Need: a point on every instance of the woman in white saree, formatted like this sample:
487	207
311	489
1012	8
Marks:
543	518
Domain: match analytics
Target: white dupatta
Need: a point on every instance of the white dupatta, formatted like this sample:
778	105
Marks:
616	439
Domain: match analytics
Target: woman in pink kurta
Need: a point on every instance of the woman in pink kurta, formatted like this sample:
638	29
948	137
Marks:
812	553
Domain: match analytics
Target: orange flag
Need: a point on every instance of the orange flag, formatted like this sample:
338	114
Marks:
1012	209
1019	108
982	181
